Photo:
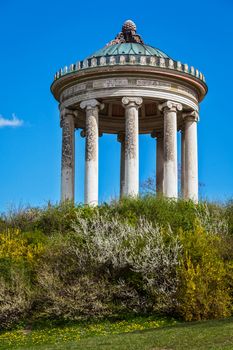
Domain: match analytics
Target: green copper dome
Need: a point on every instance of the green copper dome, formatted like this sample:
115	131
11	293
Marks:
128	49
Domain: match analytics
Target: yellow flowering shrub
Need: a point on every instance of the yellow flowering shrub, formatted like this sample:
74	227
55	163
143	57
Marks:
19	253
203	292
16	246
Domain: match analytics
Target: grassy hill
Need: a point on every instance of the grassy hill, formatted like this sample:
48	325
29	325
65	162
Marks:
144	257
129	335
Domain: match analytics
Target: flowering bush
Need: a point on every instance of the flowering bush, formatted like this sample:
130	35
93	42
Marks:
14	245
137	255
203	291
18	255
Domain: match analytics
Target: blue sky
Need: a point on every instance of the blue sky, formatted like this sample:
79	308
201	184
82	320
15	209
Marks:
39	37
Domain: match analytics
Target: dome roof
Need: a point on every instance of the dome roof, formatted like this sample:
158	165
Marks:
128	49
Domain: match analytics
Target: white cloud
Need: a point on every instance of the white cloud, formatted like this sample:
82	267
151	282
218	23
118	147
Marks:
13	122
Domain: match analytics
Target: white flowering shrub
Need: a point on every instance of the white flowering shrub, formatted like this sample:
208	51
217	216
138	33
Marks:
213	222
145	249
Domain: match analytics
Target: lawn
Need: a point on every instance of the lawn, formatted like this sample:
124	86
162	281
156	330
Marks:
134	334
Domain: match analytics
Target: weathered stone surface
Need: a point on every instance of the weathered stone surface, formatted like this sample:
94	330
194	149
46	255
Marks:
170	109
131	105
190	156
67	167
91	108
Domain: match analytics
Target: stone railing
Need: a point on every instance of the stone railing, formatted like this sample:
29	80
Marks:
141	60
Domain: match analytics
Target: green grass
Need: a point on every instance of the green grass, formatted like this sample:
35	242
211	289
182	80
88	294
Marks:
135	334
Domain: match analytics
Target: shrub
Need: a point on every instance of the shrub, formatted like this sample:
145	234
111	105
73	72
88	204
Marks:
108	266
15	294
203	291
165	212
48	220
137	255
145	249
19	253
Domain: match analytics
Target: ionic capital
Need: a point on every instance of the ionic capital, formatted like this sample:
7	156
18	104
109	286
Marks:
91	104
170	106
157	134
128	102
191	116
121	137
65	112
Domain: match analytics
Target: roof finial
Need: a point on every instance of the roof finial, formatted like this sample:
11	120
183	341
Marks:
128	34
129	26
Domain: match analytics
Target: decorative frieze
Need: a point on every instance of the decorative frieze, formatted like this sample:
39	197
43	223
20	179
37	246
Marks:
93	62
112	60
153	61
99	88
71	67
162	62
122	60
186	68
85	64
143	60
78	65
102	61
130	59
171	64
179	65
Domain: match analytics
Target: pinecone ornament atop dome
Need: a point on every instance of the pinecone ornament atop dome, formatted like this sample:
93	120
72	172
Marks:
129	26
128	34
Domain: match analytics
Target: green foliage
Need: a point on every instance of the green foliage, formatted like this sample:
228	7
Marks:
229	216
165	212
49	220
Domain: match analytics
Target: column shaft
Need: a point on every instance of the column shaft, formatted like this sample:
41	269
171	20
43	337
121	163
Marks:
191	161
91	151
170	148
91	157
131	105
182	161
68	150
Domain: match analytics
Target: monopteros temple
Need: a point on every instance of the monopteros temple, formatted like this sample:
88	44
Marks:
129	88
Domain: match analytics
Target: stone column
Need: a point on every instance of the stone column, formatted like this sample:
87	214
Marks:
191	165
68	146
121	139
92	108
169	108
182	160
131	105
